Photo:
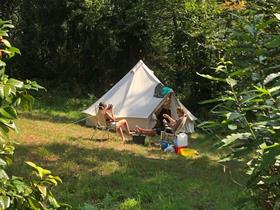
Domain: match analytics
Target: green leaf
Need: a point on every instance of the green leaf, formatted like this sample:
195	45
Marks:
232	127
6	42
272	179
15	83
9	149
276	88
14	50
211	78
274	42
21	187
208	124
5	121
221	68
4	130
3	174
267	159
267	147
242	150
2	95
7	90
8	25
3	22
33	85
2	63
231	82
271	77
36	205
27	101
240	72
5	202
54	179
41	171
2	162
277	16
233	115
8	112
251	29
233	137
251	99
3	33
262	90
9	124
53	202
42	189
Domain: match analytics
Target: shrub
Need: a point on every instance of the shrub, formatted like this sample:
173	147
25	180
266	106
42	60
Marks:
16	192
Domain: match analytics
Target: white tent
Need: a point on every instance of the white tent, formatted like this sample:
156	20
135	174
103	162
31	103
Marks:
133	99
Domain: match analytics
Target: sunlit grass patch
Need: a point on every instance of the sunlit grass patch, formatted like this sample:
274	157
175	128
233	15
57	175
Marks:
107	168
130	204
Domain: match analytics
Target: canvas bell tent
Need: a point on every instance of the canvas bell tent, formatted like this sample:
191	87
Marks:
135	99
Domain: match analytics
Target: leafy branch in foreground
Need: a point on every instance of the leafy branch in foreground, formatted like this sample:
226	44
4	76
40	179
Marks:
251	125
15	192
247	109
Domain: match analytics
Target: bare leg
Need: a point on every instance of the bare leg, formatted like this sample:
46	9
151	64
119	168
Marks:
120	132
127	128
148	132
123	124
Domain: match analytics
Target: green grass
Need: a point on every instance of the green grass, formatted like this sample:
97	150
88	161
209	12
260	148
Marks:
59	108
110	175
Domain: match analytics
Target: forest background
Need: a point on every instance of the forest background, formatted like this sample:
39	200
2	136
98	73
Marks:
82	48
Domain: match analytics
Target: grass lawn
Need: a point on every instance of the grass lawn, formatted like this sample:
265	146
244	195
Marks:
109	175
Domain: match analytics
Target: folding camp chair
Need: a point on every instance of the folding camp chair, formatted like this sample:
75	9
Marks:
102	125
166	135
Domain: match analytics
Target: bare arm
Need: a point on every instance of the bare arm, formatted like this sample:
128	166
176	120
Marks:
170	119
177	124
109	110
109	116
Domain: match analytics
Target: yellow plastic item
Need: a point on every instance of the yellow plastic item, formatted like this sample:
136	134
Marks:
188	152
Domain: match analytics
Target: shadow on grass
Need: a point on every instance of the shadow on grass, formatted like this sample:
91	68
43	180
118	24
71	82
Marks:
91	175
35	115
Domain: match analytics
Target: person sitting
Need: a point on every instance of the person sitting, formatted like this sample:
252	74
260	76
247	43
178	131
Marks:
121	127
170	125
178	124
156	130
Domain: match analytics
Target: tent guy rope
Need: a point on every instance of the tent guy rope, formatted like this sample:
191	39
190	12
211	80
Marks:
80	120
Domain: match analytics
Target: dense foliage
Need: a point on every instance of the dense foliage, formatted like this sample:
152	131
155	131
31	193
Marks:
248	106
15	192
87	46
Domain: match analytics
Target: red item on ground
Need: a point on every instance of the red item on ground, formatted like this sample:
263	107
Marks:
178	149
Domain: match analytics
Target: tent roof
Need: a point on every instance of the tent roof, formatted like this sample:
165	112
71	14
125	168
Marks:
132	96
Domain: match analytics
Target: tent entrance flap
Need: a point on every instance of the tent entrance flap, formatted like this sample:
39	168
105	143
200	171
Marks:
169	102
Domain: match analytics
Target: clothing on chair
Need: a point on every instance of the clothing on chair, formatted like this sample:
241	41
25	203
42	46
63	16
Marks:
112	126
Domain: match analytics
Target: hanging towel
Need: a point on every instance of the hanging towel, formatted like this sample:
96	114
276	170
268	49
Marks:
161	90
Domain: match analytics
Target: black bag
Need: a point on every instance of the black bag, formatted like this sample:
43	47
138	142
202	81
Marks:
139	139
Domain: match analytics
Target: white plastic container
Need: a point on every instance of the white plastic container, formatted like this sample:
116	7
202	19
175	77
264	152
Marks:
182	140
